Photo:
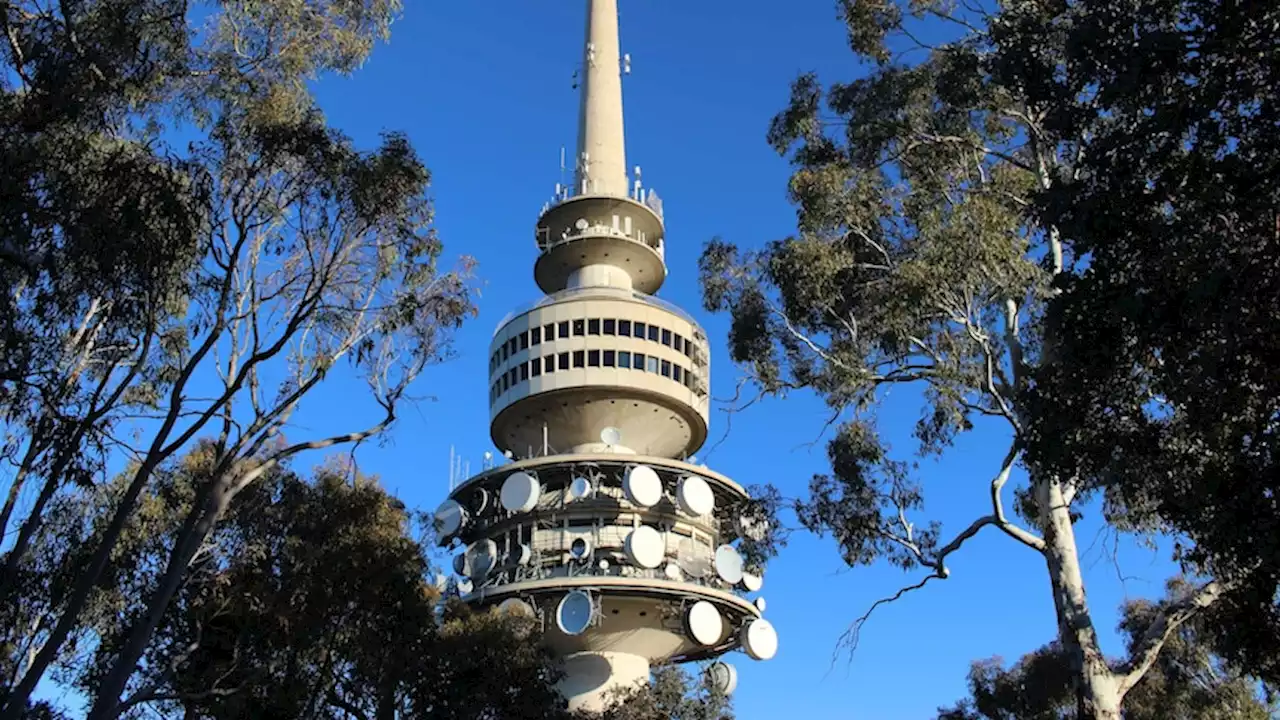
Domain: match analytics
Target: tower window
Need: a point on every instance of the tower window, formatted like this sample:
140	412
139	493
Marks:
624	328
610	358
524	371
666	368
638	330
624	359
535	336
676	374
610	326
535	367
564	361
511	345
504	351
593	326
651	364
549	362
638	361
505	383
653	333
563	331
579	358
593	358
579	327
679	345
524	340
549	332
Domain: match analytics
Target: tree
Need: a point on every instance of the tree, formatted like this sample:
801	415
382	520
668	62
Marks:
671	695
291	252
1189	681
924	258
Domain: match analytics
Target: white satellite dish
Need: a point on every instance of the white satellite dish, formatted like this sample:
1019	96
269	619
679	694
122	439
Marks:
515	607
673	572
449	518
642	486
694	558
465	586
694	496
579	488
479	501
580	548
760	604
703	623
574	613
520	492
644	547
759	639
752	582
603	564
729	564
723	676
521	555
482	556
581	223
611	436
461	565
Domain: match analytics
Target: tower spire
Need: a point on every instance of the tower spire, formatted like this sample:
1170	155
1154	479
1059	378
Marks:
602	159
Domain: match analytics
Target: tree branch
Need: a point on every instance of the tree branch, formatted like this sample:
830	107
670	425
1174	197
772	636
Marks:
1162	628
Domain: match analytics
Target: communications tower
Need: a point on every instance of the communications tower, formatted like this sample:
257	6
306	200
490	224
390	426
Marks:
601	524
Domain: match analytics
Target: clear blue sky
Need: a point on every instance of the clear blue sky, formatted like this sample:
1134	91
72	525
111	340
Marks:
484	91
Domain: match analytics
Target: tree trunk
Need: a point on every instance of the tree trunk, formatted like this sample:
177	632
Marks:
1097	688
204	515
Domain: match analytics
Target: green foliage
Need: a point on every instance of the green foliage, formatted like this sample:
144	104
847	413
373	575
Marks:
672	695
1190	681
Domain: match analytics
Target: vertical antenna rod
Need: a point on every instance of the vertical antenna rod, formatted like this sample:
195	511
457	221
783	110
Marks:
602	162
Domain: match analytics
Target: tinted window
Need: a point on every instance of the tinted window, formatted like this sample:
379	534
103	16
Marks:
610	327
666	338
624	359
593	358
579	358
579	327
638	330
535	367
666	368
610	358
624	328
563	330
524	340
535	336
593	326
653	333
549	362
564	361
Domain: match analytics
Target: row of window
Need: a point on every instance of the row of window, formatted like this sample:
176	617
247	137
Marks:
583	327
593	358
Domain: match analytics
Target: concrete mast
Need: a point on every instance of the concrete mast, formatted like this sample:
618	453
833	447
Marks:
602	157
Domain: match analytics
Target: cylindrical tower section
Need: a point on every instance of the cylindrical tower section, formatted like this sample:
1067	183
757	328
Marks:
585	362
602	162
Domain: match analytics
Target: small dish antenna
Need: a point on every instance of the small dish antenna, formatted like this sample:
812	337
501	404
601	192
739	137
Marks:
515	607
461	564
611	436
694	496
574	613
693	558
603	564
752	581
449	518
479	501
728	564
673	572
760	604
759	639
723	677
644	547
465	587
703	623
581	224
579	488
580	548
481	556
521	555
642	486
520	492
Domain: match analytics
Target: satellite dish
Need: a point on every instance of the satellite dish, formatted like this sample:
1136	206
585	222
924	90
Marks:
580	548
723	677
461	565
521	555
508	454
759	639
644	547
481	555
694	496
673	572
465	586
574	613
581	224
520	492
579	488
449	518
611	436
728	564
603	564
693	558
479	501
760	604
642	486
752	582
703	623
515	607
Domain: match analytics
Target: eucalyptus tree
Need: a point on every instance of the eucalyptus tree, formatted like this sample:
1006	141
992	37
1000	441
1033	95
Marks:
931	253
283	255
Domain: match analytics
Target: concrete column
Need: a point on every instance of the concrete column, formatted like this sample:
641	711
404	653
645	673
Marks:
590	677
600	276
600	118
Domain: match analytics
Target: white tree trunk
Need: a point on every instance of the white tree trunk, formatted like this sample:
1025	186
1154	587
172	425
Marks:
1099	693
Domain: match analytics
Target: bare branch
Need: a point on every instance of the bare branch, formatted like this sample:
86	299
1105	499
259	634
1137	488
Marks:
1162	628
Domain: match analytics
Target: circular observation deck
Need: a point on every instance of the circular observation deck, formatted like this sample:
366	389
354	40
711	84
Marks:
588	359
600	231
575	529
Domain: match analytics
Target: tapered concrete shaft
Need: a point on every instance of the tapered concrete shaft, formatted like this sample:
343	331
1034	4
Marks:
602	158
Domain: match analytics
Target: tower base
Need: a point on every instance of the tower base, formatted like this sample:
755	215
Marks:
591	677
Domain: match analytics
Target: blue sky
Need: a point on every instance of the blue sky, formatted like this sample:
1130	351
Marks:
484	92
